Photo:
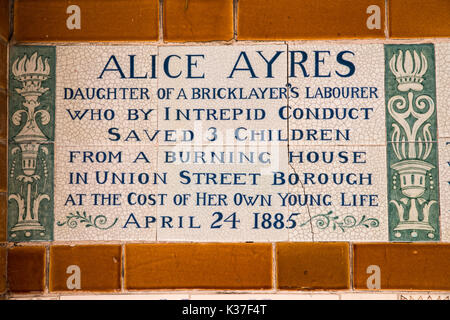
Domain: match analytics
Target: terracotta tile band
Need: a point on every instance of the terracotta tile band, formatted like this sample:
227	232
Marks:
296	20
2	270
4	19
402	266
3	64
198	266
203	20
313	266
300	266
86	20
198	20
419	19
85	267
26	269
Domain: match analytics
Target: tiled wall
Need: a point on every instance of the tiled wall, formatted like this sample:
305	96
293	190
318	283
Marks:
48	269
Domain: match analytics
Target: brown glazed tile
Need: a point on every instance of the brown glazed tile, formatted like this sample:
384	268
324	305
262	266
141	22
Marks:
4	20
3	64
26	269
101	20
2	270
198	20
313	266
3	115
402	266
325	19
99	268
3	166
198	266
3	213
419	19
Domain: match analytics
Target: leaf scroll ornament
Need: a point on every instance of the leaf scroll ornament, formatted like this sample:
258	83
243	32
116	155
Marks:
97	222
325	220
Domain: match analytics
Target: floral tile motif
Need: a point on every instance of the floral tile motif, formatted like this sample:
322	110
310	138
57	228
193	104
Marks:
31	137
412	158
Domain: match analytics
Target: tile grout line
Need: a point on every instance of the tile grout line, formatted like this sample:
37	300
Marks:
386	19
235	18
438	138
122	271
289	145
160	21
6	291
239	42
386	142
11	19
289	164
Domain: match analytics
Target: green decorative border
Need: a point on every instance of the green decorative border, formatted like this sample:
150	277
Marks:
412	155
31	138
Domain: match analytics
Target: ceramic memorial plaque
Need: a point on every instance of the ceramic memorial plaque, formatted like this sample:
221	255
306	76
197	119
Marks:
227	143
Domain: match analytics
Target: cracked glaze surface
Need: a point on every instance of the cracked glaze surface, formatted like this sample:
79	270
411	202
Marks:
310	130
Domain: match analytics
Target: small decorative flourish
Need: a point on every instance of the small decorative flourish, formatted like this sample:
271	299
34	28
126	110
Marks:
98	222
324	220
